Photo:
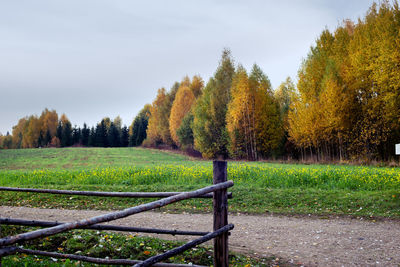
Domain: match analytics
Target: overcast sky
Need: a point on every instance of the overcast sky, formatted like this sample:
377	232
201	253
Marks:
91	59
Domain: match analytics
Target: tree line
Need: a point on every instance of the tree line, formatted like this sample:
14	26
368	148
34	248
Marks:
348	100
345	105
50	130
236	114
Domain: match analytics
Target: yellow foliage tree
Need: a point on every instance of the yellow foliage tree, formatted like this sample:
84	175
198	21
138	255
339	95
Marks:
253	120
153	132
239	117
183	102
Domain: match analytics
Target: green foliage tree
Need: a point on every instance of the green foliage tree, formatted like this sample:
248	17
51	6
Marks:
267	121
209	124
185	132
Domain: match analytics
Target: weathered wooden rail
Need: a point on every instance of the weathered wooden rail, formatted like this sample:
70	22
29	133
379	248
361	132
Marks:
218	191
103	194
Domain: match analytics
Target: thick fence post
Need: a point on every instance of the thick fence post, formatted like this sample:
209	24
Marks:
220	206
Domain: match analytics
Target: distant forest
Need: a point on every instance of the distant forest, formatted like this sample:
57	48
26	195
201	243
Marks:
345	105
50	130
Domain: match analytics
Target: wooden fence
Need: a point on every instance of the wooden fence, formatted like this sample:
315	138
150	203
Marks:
218	191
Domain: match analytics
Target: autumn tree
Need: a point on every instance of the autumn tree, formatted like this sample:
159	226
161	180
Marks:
48	125
6	141
375	57
253	119
180	107
154	127
165	111
306	120
158	127
240	117
18	132
348	104
196	86
31	136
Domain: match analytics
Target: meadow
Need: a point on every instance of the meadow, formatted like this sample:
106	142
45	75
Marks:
260	187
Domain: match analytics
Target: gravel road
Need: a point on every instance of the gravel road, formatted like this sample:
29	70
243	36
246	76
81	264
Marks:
306	241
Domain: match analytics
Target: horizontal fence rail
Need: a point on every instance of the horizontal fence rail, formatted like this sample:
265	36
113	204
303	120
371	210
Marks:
221	228
101	227
103	194
113	215
12	250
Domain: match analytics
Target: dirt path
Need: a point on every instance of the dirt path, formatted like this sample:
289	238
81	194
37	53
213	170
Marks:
308	241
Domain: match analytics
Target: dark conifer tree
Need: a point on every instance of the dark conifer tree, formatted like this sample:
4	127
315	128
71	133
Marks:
59	131
47	138
66	135
139	127
99	133
104	133
141	131
124	136
76	136
85	135
113	136
92	137
133	137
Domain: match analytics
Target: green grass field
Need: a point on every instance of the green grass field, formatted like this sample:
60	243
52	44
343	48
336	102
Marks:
259	187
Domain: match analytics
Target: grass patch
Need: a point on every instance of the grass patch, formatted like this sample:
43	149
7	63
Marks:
78	158
115	245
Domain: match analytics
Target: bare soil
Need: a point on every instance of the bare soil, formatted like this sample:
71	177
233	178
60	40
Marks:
306	241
